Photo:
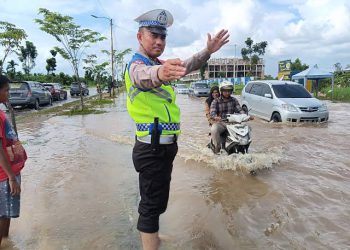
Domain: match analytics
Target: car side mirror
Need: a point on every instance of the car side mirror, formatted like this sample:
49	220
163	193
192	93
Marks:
268	96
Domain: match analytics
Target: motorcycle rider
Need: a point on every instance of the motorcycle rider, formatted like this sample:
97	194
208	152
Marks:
219	108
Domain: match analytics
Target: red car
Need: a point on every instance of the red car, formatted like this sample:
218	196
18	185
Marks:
56	90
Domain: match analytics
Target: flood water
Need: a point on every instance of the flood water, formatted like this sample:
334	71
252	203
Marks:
80	190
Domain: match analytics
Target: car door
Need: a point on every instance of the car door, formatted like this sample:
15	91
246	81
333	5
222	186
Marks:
190	90
266	103
36	93
246	96
255	99
44	93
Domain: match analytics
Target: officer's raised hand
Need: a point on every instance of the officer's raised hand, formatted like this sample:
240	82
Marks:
171	69
215	43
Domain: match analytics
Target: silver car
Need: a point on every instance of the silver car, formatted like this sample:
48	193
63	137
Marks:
199	89
282	101
181	89
29	93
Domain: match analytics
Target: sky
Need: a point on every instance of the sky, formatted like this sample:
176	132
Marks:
316	31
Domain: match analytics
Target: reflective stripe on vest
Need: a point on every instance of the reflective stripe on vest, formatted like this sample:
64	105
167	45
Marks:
133	92
164	126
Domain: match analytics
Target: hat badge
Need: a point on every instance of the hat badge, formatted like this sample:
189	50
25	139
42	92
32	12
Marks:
162	18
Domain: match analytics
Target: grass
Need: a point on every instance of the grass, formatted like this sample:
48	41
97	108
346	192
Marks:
341	94
101	102
71	108
85	111
238	89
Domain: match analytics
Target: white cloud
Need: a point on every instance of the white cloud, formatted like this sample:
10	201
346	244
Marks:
314	31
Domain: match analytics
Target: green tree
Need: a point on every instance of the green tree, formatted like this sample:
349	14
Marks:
51	62
10	39
298	66
338	69
27	55
96	72
202	70
72	37
252	52
118	59
11	69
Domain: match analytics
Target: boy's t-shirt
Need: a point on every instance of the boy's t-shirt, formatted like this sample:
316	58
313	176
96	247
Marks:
12	147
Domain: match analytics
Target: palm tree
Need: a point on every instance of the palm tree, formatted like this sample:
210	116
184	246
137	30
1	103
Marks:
11	69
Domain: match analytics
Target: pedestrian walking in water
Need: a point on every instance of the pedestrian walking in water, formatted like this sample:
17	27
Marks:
12	159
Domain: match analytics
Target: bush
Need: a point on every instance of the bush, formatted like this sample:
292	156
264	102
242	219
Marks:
340	93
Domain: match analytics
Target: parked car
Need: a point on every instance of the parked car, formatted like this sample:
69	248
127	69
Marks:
29	93
282	101
75	90
181	89
199	89
56	90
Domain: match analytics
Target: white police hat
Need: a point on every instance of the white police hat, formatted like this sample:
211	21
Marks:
156	21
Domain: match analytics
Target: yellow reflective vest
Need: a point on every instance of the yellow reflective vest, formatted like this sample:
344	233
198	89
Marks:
145	104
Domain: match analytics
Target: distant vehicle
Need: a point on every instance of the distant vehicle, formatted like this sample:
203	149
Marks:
199	89
282	101
75	90
29	93
56	90
181	89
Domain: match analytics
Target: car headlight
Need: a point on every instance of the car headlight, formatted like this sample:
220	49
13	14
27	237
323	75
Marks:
323	107
289	107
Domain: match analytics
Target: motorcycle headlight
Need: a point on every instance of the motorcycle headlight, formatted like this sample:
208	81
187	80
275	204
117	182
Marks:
289	107
323	107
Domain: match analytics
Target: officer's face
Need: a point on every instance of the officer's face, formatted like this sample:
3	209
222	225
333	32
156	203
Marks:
152	43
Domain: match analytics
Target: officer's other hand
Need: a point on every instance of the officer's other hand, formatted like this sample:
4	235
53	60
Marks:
172	69
220	39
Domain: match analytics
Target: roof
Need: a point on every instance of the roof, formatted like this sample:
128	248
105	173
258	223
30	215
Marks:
274	82
313	73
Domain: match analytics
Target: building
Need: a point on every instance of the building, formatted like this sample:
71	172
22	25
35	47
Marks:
227	68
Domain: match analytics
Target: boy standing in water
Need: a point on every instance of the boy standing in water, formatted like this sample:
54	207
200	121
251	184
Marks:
12	159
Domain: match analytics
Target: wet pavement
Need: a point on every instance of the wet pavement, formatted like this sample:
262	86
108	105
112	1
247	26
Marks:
80	189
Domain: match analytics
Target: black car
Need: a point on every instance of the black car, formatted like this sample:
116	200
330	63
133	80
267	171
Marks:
29	93
75	90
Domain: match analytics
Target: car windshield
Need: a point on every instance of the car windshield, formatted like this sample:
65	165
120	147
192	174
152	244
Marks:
181	86
75	85
18	86
290	91
201	86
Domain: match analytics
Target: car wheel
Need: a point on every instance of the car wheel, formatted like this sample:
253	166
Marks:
65	96
245	109
276	117
36	104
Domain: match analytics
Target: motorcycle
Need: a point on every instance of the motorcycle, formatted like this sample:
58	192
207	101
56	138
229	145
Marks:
237	137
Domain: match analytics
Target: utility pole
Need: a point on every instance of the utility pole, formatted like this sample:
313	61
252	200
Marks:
112	53
112	59
235	63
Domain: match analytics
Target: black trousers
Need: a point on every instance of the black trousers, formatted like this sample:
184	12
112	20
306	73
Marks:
154	168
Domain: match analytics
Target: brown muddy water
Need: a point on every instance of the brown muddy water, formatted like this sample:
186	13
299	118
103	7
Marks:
80	190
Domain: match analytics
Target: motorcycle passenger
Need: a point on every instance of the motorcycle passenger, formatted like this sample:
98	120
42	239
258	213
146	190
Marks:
219	108
214	94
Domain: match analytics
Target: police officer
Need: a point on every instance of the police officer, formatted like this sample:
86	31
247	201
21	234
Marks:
151	104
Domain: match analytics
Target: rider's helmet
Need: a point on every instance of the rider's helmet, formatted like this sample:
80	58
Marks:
226	85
